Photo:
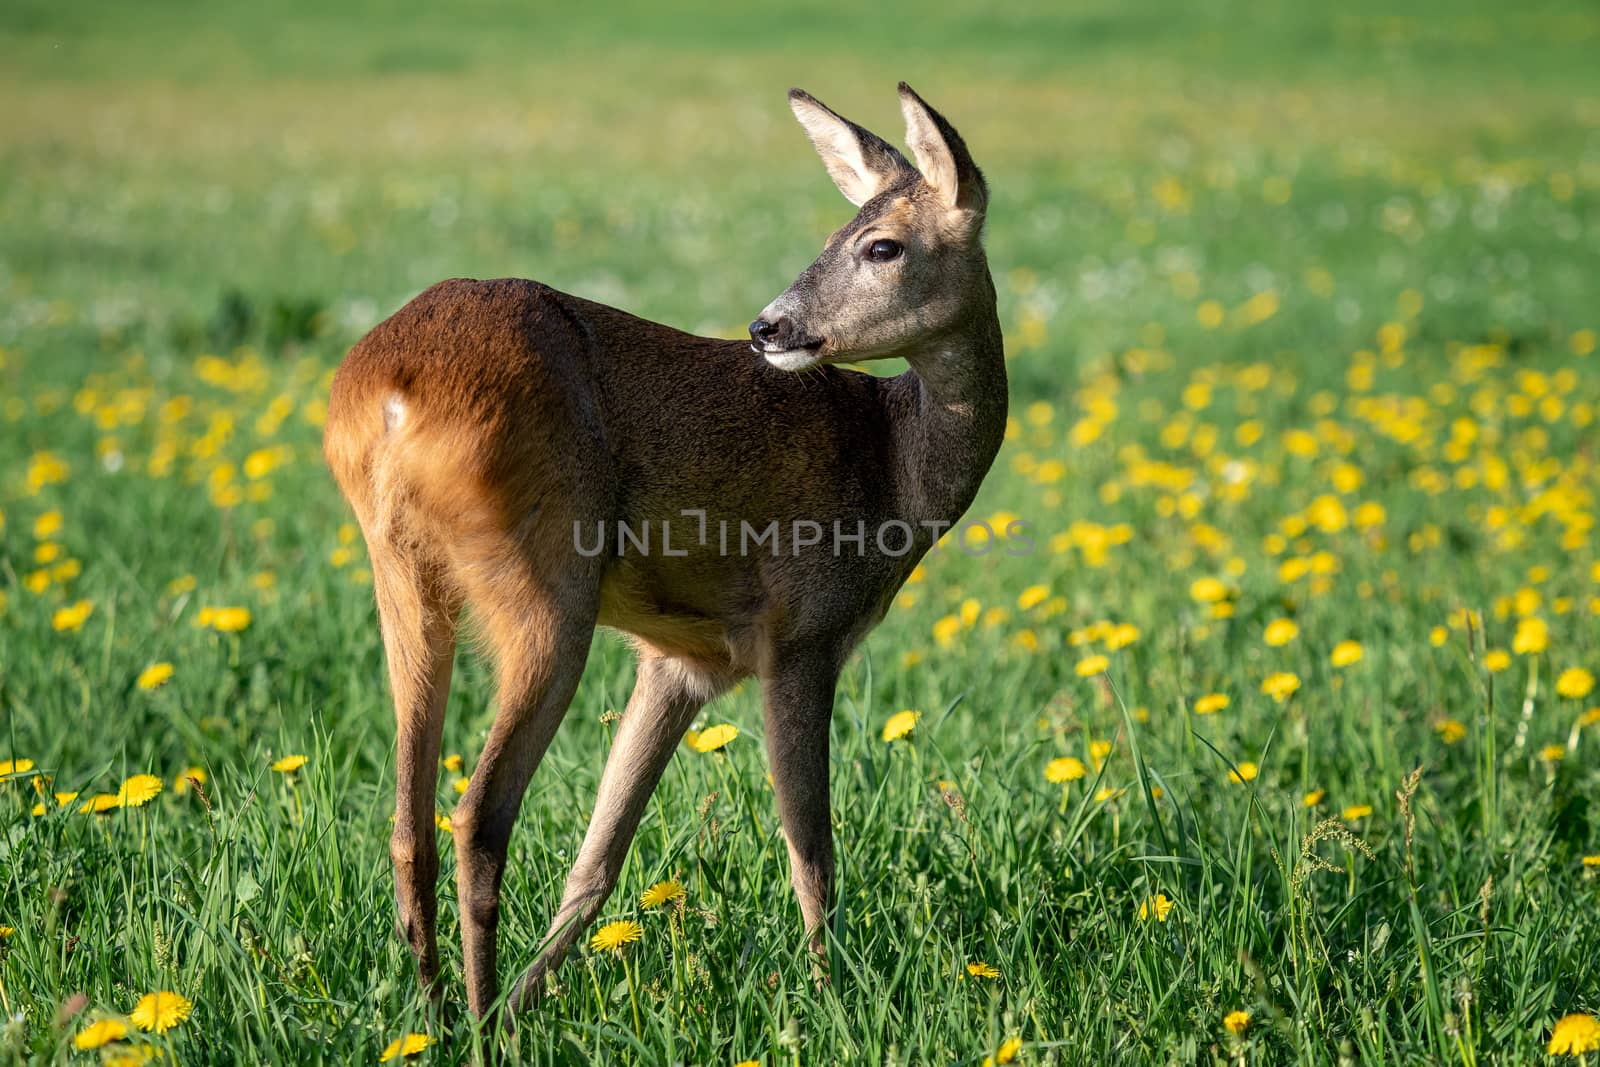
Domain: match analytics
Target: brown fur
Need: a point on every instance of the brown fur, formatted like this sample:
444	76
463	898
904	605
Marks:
485	424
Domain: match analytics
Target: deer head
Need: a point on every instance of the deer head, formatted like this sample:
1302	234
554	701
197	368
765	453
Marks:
904	272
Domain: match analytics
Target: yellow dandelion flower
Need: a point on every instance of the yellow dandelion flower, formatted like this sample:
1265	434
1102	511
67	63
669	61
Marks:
1091	665
160	1011
7	931
748	1063
1032	597
1496	660
70	619
1450	730
15	766
1574	683
1591	861
453	762
1064	769
46	468
946	630
289	764
1551	753
408	1045
230	620
1008	1052
130	1055
1356	811
1345	653
900	724
1313	798
138	790
1122	635
100	1033
1281	686
154	676
101	803
1237	1022
460	786
1244	772
1156	907
1208	590
1106	792
1280	632
1575	1035
1438	636
1211	703
612	937
1369	515
980	969
188	779
1532	636
662	893
1590	717
714	737
47	525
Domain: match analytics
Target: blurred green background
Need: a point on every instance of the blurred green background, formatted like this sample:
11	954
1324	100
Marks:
156	154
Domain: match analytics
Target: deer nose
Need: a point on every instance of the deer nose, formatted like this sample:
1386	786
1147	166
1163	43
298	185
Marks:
762	330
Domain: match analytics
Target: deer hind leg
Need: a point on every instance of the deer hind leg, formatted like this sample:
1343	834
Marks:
667	693
539	627
417	613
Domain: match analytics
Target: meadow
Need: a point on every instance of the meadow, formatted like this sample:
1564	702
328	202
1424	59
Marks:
1279	747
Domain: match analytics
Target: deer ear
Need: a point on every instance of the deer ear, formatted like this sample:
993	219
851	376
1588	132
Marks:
861	164
942	155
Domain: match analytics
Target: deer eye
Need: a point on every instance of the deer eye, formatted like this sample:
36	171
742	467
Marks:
881	251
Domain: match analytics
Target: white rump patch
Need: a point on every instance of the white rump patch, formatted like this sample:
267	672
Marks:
394	413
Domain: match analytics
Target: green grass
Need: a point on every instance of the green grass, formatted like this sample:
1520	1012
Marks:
1419	194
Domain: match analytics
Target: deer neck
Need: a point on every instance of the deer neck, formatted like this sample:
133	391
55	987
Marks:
951	419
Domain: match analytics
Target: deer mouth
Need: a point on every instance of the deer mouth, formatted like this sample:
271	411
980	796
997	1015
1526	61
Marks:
791	356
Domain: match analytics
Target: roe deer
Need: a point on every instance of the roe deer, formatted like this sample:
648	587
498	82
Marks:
487	430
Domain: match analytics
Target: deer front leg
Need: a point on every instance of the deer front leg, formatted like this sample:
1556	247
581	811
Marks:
666	695
799	710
